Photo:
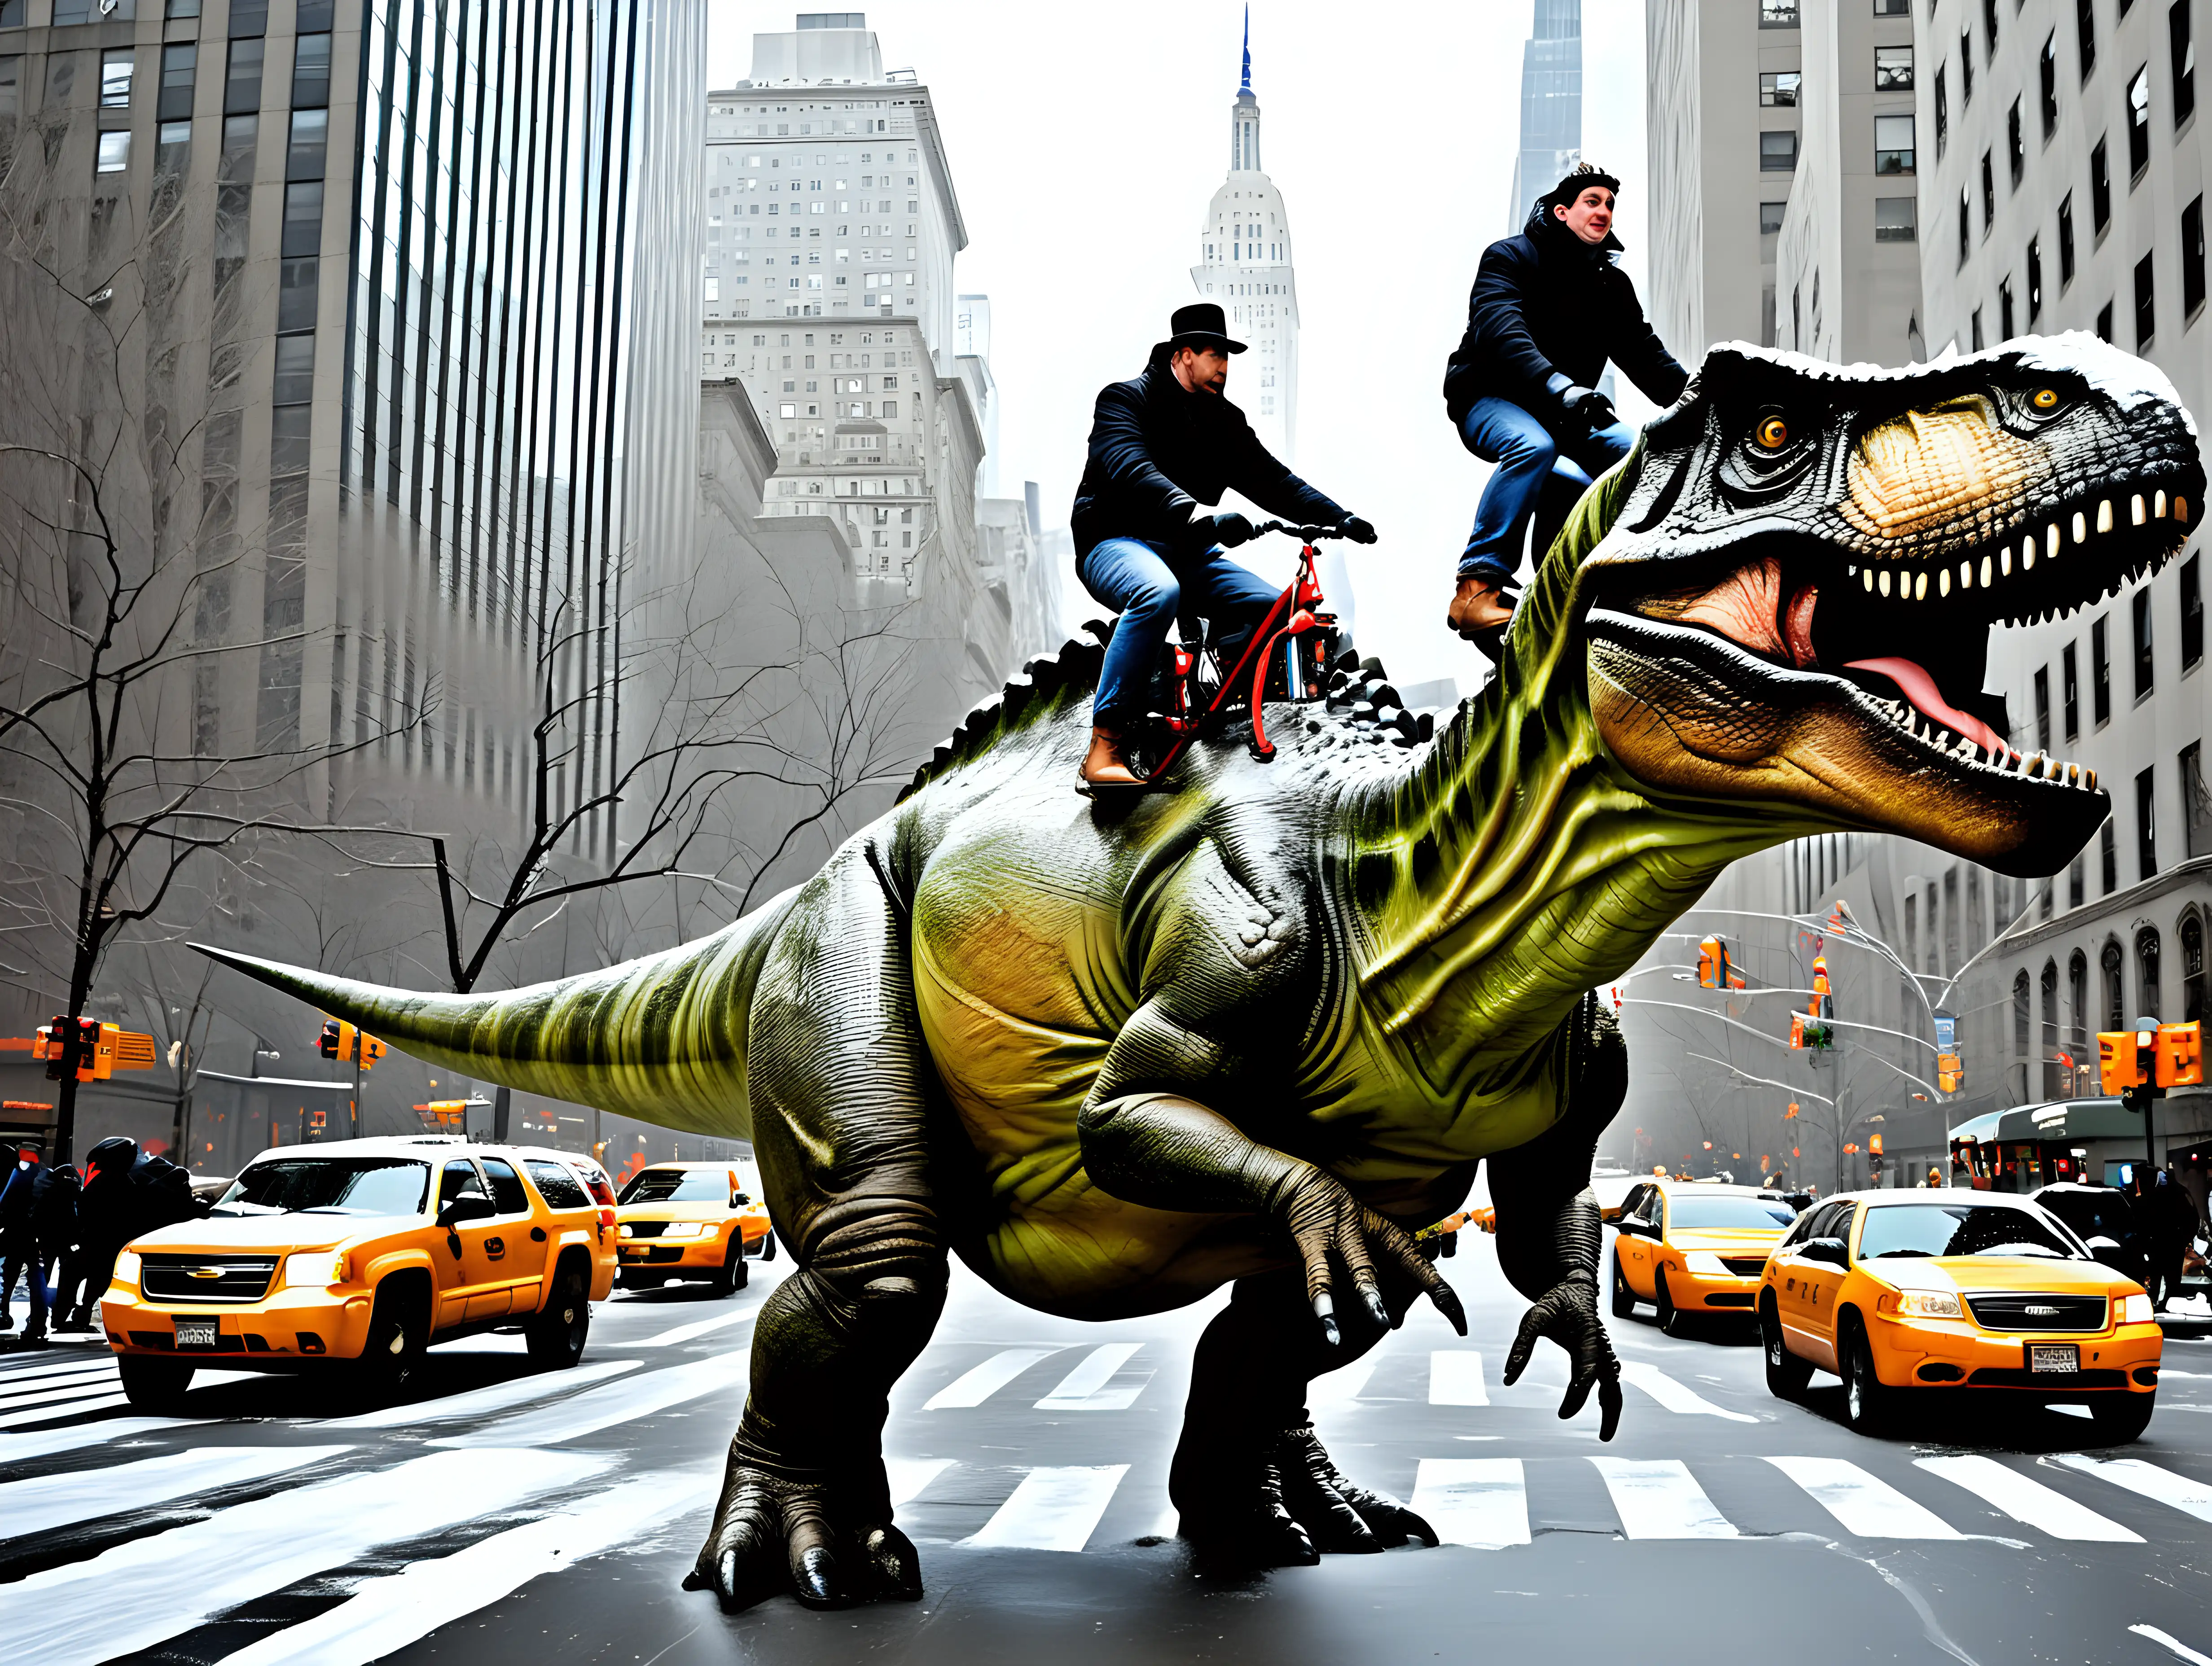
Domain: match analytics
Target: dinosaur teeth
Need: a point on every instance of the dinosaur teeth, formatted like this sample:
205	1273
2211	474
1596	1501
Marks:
2158	505
2080	528
1920	588
2050	541
2026	553
2136	513
2105	515
1985	572
1943	582
1965	575
1866	575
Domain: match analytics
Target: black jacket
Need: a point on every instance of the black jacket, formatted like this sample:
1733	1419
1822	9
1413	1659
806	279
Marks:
134	1193
17	1186
1157	451
53	1206
1548	311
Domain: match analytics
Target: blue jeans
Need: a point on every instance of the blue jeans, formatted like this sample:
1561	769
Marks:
1530	463
1148	584
21	1260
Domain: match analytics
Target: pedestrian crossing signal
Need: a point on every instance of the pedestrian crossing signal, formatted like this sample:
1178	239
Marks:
371	1050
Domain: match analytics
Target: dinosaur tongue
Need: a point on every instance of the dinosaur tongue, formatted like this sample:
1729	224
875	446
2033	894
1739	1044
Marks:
1919	688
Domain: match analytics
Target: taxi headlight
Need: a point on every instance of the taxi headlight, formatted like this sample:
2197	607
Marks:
623	1232
687	1229
1930	1304
1705	1263
126	1268
2135	1309
315	1269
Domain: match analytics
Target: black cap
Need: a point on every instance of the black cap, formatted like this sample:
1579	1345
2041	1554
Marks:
1200	325
1572	185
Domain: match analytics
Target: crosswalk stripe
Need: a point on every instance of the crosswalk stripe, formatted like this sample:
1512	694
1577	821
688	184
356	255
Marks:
696	1329
1341	1386
2026	1500
974	1387
1055	1509
1659	1499
48	1394
2146	1480
2173	1644
130	1597
493	1397
30	1416
1083	1389
385	1615
1483	1502
908	1476
621	1401
44	1443
1867	1507
51	1501
1673	1396
103	1366
1456	1378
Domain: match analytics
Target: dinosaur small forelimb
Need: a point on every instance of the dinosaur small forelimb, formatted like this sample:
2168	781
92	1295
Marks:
1567	1313
1168	1152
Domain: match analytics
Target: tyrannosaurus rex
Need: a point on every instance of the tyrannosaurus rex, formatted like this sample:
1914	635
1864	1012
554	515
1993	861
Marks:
1251	1030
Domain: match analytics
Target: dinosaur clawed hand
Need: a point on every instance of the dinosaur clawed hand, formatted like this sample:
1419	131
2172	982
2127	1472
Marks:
1567	1313
824	1543
1334	1233
1287	1504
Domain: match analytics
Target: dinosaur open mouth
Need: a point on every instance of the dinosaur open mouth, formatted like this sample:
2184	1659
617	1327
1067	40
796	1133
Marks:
1908	636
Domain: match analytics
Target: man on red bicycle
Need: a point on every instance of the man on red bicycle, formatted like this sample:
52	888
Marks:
1163	448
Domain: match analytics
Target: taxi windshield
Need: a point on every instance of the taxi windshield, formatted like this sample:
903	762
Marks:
1959	1229
329	1185
1688	1211
678	1186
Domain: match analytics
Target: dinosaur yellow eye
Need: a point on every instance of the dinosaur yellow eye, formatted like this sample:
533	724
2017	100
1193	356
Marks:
1772	434
2045	399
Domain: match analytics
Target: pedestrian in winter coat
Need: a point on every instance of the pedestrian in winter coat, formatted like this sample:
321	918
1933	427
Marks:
53	1229
1549	307
127	1193
19	1256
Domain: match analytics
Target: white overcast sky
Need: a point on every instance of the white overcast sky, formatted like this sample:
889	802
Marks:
1086	143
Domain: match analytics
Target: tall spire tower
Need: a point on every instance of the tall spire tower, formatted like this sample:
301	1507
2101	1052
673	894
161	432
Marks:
1551	105
1245	266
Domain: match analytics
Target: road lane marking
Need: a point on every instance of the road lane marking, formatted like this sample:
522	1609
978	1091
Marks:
620	1401
1659	1499
2146	1480
696	1328
492	1397
15	1405
51	1501
385	1615
1341	1386
44	1443
1455	1378
908	1476
2174	1643
974	1387
105	1367
2026	1500
1867	1508
1083	1389
1675	1396
30	1415
131	1596
1052	1509
1483	1502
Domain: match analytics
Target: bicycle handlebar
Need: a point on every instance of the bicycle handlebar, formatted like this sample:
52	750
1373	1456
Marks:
1308	534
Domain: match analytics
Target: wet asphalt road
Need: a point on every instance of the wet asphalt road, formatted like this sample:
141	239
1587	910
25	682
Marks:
505	1516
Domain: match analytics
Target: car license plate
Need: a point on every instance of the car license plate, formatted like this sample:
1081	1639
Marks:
195	1333
2054	1356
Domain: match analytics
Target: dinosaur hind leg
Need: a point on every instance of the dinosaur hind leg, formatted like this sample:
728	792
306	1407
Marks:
835	1072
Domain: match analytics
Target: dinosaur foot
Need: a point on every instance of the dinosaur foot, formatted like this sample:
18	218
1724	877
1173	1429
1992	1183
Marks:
1291	1507
821	1541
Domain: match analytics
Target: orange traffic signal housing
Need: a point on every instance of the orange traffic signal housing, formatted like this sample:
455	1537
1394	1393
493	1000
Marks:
2171	1056
91	1051
1714	970
2180	1055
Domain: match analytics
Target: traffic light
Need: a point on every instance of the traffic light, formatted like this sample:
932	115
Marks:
1821	981
2180	1055
1714	970
337	1040
371	1050
91	1051
1949	1074
1874	1144
2126	1059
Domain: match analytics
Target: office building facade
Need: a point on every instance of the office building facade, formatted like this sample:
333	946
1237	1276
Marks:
1551	106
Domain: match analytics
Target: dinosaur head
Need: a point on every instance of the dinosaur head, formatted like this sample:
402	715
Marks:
1795	599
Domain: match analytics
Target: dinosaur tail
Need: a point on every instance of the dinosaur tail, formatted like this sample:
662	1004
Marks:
661	1038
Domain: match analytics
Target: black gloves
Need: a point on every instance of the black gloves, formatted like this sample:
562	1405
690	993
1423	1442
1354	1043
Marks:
1587	409
1358	529
1228	530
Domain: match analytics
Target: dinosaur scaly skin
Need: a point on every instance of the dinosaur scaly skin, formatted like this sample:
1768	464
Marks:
1117	1056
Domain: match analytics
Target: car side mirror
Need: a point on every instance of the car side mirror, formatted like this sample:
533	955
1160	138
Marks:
739	1199
468	1206
1830	1250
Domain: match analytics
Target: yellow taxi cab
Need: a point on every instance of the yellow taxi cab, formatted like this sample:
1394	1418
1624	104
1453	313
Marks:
1904	1294
356	1255
1690	1246
692	1221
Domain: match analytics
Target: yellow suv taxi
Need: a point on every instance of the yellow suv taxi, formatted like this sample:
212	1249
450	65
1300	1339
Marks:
358	1255
1690	1246
691	1220
1906	1294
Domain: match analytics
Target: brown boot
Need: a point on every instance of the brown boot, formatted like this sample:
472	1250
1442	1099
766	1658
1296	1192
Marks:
1477	607
1106	764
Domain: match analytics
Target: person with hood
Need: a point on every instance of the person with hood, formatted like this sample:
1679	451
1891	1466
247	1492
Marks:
1164	447
127	1193
1549	307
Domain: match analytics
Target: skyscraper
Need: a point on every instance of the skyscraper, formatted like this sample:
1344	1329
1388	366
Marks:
1246	266
1551	105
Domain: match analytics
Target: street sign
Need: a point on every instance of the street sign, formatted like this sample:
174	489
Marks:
1947	1033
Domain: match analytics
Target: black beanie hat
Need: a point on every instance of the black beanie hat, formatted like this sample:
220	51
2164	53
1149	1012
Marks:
1585	175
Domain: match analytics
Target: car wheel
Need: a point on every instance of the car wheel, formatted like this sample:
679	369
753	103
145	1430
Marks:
733	1278
398	1331
2124	1416
767	1245
557	1335
1786	1374
153	1385
1670	1316
1624	1299
1867	1402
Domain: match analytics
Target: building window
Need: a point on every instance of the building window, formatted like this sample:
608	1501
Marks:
241	88
2146	966
1770	227
114	154
2053	1086
2015	145
1778	89
2110	963
2146	826
294	382
116	69
1966	67
173	141
1892	68
2100	190
1777	153
2065	240
1942	116
296	295
2085	31
1777	14
1894	220
2183	51
2196	827
310	71
303	159
2193	259
2078	987
2022	1007
2146	669
1893	145
2047	83
2108	861
2035	280
1988	193
2101	673
2042	683
2192	616
2139	124
2146	306
14	13
1976	340
2004	310
2105	322
179	66
2192	967
2077	886
2070	691
303	219
1892	8
248	17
